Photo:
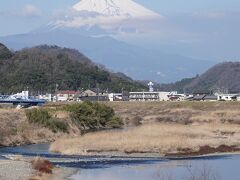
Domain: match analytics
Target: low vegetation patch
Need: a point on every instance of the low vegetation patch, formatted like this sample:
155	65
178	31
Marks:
204	150
43	117
94	116
42	166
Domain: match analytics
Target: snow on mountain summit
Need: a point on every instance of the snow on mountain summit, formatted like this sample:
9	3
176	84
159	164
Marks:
114	16
114	8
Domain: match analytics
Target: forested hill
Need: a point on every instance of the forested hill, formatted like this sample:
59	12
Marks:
5	52
40	68
223	76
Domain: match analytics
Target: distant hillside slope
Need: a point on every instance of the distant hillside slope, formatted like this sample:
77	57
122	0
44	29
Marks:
221	76
137	62
41	68
5	52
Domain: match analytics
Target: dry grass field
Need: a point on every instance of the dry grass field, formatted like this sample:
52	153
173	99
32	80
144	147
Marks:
157	138
178	112
162	128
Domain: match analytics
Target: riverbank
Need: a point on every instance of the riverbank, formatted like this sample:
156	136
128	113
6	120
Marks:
16	130
159	139
23	170
158	128
163	129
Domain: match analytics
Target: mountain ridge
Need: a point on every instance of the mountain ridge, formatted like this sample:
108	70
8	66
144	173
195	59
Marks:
40	68
222	77
138	63
101	44
5	52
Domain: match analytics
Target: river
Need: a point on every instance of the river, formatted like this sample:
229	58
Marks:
224	167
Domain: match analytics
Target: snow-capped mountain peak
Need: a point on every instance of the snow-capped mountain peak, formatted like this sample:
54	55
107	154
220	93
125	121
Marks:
114	8
107	16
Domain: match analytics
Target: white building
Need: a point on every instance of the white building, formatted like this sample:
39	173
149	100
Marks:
226	97
165	96
238	97
115	97
46	97
179	97
66	96
23	95
150	96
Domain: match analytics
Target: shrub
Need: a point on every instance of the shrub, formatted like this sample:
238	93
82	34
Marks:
43	166
43	117
115	122
93	116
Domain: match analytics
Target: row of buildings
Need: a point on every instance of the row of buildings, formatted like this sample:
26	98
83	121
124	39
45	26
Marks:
151	95
93	95
97	95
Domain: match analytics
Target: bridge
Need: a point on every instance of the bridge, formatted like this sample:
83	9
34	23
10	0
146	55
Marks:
21	100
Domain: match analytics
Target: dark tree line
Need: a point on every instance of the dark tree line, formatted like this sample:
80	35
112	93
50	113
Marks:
41	68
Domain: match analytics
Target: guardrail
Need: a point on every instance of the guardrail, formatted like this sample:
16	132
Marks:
23	102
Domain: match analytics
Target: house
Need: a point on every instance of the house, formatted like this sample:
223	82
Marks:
177	97
198	97
164	96
93	95
236	98
67	95
88	93
202	97
93	98
210	98
46	97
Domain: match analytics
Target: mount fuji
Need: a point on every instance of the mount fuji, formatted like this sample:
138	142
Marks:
91	25
123	8
111	16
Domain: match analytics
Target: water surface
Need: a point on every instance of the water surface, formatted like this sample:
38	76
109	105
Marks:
123	168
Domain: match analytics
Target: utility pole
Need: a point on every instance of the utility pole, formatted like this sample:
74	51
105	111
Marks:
56	90
122	94
97	92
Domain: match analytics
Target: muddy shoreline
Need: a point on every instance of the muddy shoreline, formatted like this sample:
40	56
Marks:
204	150
182	153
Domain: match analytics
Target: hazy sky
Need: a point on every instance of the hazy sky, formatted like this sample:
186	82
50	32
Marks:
20	16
